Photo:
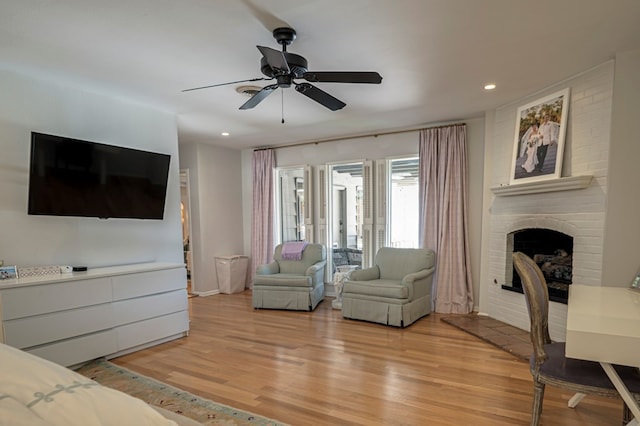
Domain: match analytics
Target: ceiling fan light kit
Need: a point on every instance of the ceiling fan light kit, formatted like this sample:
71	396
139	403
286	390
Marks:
286	67
248	90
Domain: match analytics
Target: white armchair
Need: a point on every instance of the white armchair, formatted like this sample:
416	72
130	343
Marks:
291	284
395	291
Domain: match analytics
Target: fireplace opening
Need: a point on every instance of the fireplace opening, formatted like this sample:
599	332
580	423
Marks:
553	253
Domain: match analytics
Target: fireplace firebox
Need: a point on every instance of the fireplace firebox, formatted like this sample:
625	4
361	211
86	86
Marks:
553	253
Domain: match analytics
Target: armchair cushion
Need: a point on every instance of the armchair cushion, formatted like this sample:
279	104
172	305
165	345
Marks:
286	280
382	288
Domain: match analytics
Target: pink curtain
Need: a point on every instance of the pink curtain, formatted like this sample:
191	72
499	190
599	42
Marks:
263	164
444	215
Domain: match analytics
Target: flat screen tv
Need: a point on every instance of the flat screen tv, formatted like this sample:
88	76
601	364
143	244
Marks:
71	177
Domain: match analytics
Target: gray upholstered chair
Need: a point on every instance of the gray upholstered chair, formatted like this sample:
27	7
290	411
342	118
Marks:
548	363
291	284
395	291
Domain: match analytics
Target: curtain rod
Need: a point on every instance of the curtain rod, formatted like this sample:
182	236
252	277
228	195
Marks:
392	132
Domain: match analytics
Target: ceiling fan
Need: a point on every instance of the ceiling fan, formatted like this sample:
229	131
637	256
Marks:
285	68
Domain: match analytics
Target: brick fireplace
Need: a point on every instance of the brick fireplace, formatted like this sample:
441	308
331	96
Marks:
584	229
572	207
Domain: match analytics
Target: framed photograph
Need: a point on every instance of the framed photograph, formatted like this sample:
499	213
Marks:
539	140
8	272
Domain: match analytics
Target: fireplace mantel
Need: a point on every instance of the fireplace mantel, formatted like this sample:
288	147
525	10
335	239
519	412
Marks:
551	185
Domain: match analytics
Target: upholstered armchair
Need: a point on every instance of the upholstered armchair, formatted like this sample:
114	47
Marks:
291	284
395	291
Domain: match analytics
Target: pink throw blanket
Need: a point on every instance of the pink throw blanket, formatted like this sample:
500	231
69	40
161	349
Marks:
293	250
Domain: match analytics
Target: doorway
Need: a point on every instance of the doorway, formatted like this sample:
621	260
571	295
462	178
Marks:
185	214
345	219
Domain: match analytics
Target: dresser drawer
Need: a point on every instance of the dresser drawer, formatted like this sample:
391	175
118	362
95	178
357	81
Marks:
37	330
77	350
145	283
138	333
140	308
20	302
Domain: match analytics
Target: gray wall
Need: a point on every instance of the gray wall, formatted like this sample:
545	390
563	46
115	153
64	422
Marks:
30	104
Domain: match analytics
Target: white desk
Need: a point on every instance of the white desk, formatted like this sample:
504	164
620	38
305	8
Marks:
603	324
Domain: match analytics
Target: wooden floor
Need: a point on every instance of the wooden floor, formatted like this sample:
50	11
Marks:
316	368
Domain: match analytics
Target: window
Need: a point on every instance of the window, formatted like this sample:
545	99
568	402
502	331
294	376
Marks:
403	202
290	201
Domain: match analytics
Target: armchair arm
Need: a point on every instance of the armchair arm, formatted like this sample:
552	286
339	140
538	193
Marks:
423	273
316	267
366	274
268	269
419	282
316	272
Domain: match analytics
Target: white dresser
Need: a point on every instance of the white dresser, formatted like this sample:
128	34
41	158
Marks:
103	312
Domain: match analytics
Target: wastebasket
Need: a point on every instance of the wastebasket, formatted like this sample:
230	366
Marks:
232	273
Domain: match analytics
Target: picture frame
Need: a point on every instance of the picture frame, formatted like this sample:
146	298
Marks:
8	272
538	147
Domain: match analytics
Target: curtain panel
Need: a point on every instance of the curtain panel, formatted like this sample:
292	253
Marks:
444	215
263	165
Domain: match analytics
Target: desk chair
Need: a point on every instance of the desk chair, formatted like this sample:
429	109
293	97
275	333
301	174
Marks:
548	363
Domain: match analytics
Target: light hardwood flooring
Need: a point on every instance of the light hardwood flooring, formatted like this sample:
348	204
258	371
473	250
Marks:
316	368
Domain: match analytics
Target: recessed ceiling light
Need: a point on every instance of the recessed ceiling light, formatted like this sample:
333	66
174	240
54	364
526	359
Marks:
225	133
489	86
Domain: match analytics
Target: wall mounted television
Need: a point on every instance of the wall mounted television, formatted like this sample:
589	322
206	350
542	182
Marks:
72	177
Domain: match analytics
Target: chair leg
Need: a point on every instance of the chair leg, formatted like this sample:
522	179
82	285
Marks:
627	417
575	400
538	397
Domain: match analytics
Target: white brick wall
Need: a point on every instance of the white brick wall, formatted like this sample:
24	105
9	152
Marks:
578	213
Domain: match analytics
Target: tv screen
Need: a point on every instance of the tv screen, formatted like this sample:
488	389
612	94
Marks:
71	177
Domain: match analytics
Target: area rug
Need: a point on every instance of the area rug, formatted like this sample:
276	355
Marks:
170	398
506	337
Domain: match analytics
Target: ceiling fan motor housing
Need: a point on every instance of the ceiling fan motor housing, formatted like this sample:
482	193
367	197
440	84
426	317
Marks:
297	64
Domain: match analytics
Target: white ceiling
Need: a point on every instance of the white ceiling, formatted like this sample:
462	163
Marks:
435	56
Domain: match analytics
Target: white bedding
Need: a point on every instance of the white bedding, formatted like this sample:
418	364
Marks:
35	392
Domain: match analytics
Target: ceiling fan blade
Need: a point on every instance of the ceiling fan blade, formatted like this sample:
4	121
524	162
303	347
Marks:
259	97
343	77
275	59
225	84
266	18
320	96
